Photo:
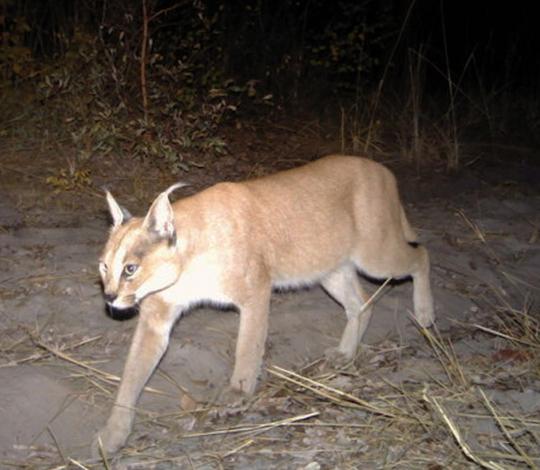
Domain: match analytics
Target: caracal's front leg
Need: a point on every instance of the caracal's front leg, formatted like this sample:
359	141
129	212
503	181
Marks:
251	338
147	347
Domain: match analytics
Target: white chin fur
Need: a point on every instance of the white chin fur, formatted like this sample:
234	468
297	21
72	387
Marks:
122	305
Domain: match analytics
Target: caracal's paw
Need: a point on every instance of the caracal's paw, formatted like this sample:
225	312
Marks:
245	381
230	402
108	441
337	358
425	315
232	397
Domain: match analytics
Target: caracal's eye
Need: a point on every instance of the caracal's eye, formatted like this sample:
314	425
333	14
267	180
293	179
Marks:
130	269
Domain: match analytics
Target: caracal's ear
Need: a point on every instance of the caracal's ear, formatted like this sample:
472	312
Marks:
119	214
160	217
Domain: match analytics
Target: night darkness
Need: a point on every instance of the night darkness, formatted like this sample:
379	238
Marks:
104	104
502	38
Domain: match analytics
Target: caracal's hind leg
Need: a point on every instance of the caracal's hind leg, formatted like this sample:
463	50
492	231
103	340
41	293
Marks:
344	287
423	299
401	259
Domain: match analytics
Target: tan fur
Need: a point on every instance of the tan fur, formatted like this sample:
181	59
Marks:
233	242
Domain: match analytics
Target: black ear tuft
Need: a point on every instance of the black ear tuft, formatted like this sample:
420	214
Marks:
172	239
126	214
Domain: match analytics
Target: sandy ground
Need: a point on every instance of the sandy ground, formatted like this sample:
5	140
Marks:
484	243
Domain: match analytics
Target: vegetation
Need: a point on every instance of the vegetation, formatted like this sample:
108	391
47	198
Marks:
159	78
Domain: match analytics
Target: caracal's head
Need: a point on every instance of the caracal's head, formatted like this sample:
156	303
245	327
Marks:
141	255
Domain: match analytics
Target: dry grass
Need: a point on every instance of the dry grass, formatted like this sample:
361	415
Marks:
356	417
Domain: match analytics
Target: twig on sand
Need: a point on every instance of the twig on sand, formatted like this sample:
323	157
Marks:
99	373
330	393
256	427
457	434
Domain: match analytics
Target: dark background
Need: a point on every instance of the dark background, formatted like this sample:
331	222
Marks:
455	69
500	37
